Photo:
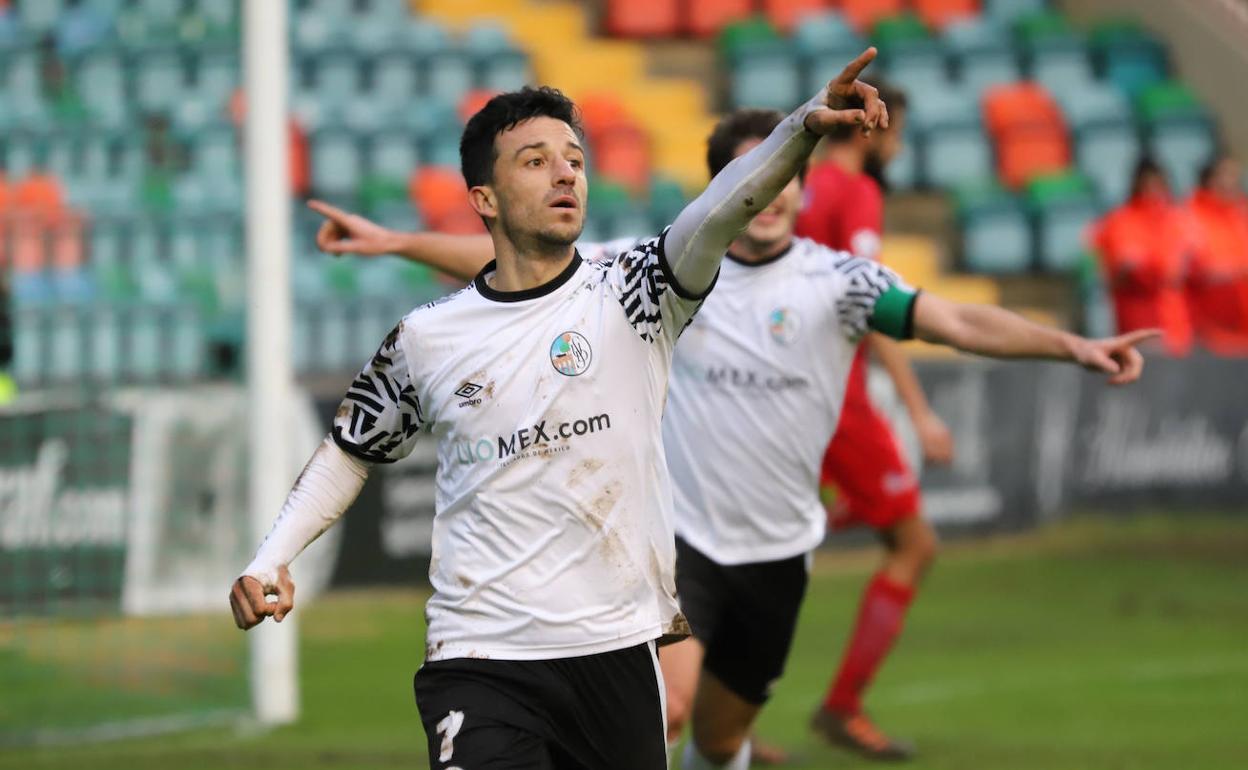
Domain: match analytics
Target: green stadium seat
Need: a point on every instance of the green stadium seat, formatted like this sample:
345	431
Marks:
742	37
1168	100
996	237
1136	67
1063	207
666	200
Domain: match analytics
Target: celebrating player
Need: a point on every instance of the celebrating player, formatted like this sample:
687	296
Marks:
544	383
874	485
757	387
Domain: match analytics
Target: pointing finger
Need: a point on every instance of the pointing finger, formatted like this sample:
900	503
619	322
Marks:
855	67
1136	337
328	211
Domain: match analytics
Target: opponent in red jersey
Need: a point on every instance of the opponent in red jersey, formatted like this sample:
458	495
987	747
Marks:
874	485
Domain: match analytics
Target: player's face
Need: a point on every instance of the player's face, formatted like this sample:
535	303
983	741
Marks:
539	186
1225	180
773	224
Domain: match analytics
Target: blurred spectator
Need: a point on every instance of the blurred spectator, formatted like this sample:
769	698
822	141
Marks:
80	27
1145	246
58	90
300	158
1218	289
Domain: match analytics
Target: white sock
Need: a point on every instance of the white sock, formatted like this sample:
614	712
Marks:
692	760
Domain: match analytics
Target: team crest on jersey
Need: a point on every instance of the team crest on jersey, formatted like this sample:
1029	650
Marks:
784	325
570	354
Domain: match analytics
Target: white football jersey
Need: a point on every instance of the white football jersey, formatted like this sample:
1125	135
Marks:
553	535
756	391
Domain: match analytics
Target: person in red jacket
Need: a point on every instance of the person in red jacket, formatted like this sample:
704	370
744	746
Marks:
1145	247
1218	285
873	483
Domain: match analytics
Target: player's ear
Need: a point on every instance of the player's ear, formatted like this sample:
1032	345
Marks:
483	201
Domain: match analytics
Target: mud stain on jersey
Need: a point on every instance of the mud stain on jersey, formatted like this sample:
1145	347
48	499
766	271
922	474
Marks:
587	467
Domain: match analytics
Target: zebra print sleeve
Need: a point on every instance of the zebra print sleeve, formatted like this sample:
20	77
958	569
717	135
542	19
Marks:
872	297
656	307
381	414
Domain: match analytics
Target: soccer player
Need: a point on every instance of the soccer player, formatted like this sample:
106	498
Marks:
757	385
864	464
543	383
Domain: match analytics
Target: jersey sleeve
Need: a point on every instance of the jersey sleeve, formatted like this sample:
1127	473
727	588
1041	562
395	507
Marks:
380	416
657	307
874	298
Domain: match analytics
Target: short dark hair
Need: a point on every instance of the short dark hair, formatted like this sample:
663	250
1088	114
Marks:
733	129
894	98
476	147
1144	167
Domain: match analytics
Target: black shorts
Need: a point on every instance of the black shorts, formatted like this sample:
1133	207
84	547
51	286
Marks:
743	614
596	712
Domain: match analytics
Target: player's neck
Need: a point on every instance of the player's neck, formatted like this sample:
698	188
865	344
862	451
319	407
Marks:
847	157
747	250
529	266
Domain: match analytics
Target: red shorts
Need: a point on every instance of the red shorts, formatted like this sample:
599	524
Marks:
873	484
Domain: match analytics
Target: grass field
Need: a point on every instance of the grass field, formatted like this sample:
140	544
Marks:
1093	645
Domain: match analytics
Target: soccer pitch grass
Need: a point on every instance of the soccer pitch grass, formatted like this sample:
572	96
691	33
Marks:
1095	644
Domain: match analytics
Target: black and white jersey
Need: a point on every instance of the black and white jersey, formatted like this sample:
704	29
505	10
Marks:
757	386
553	536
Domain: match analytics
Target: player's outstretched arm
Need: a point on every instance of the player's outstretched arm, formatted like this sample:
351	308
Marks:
328	485
696	243
460	256
998	333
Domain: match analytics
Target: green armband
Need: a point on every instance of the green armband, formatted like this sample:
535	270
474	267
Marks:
893	314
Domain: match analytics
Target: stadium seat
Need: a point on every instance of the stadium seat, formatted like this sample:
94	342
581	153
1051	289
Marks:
217	75
1008	11
932	108
394	77
996	238
862	15
160	80
824	32
503	71
787	14
955	154
449	75
1030	152
706	18
1127	55
902	172
1093	104
938	14
601	110
337	77
906	49
1182	147
643	18
1063	207
767	79
1019	105
99	78
1106	153
393	155
439	192
336	163
622	154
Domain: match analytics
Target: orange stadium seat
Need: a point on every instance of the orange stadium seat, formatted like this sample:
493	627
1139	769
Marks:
786	13
707	17
473	101
1018	105
863	14
439	192
601	111
1028	153
622	154
938	13
643	18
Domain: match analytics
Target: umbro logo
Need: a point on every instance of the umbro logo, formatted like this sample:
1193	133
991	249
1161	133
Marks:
468	391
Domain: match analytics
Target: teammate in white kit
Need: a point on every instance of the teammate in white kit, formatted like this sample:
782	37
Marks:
756	389
544	383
